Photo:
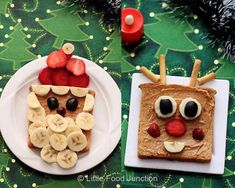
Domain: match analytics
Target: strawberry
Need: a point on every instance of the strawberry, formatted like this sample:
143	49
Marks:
76	66
153	130
45	76
79	81
198	134
56	59
60	77
175	127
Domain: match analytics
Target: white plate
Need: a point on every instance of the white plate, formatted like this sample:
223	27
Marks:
107	112
216	166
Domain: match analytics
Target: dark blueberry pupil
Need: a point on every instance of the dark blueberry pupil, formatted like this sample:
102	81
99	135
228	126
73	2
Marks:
52	103
72	104
191	109
166	106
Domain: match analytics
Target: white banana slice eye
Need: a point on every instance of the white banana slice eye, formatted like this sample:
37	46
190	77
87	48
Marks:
165	106
190	108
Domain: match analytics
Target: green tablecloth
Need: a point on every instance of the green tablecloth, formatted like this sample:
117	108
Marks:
181	40
30	29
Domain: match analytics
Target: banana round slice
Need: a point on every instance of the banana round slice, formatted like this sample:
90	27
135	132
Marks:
60	90
85	121
72	128
41	90
67	159
33	100
89	103
57	123
70	121
37	114
78	91
36	125
39	137
49	154
76	141
58	142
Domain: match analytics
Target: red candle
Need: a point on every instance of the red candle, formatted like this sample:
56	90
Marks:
131	26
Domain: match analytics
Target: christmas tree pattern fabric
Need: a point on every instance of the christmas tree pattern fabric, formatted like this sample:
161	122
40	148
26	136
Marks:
31	30
182	39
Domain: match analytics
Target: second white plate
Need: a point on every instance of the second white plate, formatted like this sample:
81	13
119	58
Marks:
216	166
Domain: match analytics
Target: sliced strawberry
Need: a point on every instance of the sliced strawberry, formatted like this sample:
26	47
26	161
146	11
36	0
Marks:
79	81
153	130
175	127
56	59
45	76
76	66
60	77
68	56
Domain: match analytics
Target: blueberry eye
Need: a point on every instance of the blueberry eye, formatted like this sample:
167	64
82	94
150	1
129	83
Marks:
190	108
52	103
165	106
72	104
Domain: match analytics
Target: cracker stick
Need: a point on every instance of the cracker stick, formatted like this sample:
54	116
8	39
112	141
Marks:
162	63
206	78
149	74
195	72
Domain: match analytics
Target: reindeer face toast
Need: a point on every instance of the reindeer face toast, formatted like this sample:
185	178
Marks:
60	121
176	121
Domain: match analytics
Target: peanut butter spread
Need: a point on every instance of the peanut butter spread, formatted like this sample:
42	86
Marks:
194	150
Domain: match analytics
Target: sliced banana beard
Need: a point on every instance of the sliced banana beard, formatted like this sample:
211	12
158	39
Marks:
60	90
41	90
49	154
36	125
89	103
76	141
33	100
72	128
70	121
58	142
39	137
85	121
67	159
57	123
37	114
79	92
174	147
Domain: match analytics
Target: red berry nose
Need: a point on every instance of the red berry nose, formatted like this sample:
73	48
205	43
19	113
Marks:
175	127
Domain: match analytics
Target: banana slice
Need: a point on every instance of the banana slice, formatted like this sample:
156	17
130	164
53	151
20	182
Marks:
36	125
39	137
70	121
57	123
72	128
67	159
89	103
76	141
60	90
41	90
48	154
174	147
37	114
33	100
68	48
85	121
58	142
78	91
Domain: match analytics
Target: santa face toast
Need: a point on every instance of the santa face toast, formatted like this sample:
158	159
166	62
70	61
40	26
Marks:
60	121
176	121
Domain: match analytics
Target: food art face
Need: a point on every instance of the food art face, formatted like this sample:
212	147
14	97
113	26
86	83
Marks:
176	119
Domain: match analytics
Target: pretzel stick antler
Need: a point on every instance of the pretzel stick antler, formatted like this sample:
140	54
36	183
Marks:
206	78
149	74
194	75
162	63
